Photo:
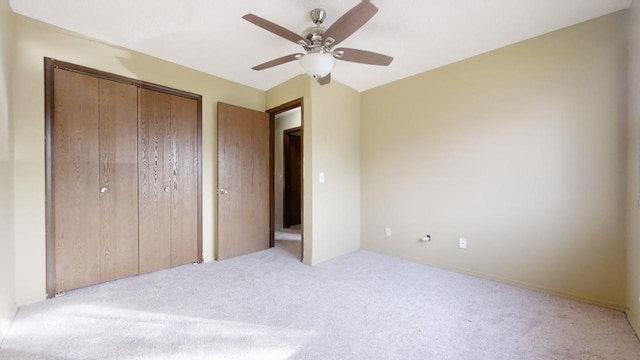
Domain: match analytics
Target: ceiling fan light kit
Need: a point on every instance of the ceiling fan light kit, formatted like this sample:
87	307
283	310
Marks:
317	64
319	42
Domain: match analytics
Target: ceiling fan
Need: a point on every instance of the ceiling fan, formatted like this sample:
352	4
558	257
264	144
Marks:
319	42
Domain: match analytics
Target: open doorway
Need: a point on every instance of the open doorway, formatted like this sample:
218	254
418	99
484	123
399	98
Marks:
287	189
292	169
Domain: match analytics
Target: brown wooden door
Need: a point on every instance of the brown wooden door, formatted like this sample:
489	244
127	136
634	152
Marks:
184	180
94	177
154	202
292	204
118	180
168	199
243	181
75	180
123	176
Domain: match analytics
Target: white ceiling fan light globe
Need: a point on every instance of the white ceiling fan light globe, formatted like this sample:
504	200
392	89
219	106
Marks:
317	65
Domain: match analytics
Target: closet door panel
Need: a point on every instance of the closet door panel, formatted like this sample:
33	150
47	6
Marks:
184	194
155	159
75	180
118	180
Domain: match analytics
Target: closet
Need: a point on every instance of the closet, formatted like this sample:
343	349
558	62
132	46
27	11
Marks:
123	177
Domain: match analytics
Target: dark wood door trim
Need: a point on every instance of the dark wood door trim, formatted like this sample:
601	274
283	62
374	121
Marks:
49	65
199	169
120	78
48	170
272	116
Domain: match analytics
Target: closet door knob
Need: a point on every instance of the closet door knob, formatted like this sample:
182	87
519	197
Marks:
222	191
104	189
166	189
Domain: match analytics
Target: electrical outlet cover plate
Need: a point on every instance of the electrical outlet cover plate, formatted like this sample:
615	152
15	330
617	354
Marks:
387	231
463	243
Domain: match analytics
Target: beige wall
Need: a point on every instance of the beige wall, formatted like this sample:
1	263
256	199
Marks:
633	185
7	266
521	150
286	122
36	40
331	126
336	153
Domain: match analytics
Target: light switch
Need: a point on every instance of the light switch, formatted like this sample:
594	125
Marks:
321	177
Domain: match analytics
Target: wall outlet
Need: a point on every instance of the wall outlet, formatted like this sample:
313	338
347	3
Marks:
387	231
463	243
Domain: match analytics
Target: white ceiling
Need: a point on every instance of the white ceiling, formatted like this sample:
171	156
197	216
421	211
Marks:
211	36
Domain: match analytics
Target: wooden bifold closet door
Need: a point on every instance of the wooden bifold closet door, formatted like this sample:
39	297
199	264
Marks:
96	175
124	174
168	190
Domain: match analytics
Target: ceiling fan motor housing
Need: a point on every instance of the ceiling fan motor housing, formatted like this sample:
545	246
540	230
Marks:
314	34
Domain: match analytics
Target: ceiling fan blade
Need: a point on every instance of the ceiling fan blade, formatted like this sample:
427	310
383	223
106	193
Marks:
351	21
274	28
278	61
325	80
362	56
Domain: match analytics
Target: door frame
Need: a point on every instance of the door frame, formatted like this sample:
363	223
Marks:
286	136
49	65
299	102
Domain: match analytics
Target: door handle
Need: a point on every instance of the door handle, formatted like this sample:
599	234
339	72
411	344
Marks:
221	191
166	189
104	189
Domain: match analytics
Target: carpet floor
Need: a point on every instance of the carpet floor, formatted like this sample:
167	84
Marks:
293	233
268	305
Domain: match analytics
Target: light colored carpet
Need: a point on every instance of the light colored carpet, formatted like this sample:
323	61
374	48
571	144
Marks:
292	247
292	233
268	305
